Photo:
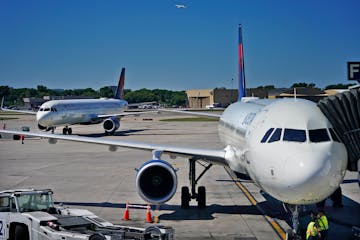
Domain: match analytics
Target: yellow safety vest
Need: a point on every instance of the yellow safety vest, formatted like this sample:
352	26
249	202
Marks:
311	230
323	223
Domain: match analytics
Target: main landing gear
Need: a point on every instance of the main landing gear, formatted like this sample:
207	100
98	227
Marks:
67	130
200	195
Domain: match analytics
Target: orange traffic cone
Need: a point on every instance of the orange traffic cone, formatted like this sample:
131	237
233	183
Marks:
148	215
126	216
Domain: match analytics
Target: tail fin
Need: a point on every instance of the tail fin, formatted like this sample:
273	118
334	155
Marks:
242	85
119	94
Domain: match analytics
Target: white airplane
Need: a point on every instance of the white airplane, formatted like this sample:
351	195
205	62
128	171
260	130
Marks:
286	146
180	6
57	113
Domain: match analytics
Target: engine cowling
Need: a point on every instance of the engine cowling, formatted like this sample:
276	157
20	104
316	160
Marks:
156	181
111	124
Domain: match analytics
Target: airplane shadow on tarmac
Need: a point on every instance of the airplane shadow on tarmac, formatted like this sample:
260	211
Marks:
118	133
138	132
191	213
194	213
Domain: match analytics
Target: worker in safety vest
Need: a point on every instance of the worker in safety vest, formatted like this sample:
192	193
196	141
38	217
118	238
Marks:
323	224
312	232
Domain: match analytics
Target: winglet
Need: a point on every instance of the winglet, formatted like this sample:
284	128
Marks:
242	85
119	94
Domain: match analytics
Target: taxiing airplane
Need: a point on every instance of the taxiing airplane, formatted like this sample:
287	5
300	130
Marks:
286	146
57	113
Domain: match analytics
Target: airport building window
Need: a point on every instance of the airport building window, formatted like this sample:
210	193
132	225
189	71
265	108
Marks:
267	135
334	136
276	135
294	135
319	135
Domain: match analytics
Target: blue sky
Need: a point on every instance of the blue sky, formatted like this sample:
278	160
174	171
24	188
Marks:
85	43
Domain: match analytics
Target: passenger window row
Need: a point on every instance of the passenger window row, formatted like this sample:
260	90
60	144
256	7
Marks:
299	135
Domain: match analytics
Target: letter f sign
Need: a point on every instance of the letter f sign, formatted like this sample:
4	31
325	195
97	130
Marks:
353	70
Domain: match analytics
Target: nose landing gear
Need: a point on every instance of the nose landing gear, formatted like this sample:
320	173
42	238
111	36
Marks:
292	234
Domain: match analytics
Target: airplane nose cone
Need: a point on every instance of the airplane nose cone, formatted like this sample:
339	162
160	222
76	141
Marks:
42	118
312	176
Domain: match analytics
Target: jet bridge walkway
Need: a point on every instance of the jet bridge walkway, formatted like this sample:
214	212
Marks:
343	111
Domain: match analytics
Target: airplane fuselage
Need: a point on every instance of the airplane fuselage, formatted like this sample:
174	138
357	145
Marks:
288	147
80	111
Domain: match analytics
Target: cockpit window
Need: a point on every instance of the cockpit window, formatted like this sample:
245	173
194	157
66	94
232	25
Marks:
267	135
41	109
294	135
319	135
276	136
46	109
334	135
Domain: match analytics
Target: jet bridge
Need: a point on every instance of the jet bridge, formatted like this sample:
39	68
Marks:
343	111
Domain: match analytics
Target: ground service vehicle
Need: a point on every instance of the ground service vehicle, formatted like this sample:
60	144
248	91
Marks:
29	214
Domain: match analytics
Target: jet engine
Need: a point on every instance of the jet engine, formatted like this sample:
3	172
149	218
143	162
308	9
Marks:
156	181
111	124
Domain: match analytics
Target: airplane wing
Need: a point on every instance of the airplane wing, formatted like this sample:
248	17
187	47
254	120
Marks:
141	104
209	155
13	110
200	114
125	114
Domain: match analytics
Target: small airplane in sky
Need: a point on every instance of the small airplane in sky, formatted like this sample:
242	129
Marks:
180	6
65	113
287	147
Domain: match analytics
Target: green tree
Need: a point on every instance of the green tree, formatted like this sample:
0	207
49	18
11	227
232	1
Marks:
303	84
106	92
142	95
178	99
89	92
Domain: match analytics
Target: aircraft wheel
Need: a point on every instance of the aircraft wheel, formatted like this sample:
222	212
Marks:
21	233
201	198
69	131
64	131
185	197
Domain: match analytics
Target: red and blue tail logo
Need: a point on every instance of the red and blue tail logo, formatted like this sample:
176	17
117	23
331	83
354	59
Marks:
242	86
119	93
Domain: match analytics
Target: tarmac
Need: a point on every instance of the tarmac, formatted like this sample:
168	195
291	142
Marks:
91	177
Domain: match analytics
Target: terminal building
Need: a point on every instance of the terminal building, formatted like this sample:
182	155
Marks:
222	97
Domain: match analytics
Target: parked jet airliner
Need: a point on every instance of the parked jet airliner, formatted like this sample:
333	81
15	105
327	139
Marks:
286	146
57	113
